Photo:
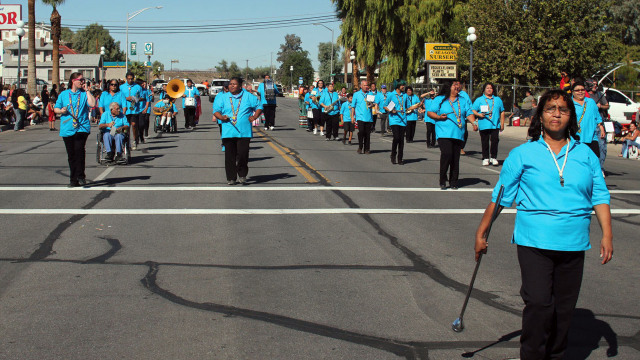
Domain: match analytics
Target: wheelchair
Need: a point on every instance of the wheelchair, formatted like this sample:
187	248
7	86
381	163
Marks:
173	125
101	152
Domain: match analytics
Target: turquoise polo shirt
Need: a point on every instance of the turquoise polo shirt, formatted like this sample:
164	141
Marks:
491	119
454	126
329	98
550	216
427	103
412	100
362	111
107	118
131	90
191	92
588	118
262	92
245	104
401	102
106	99
345	111
381	98
76	104
318	95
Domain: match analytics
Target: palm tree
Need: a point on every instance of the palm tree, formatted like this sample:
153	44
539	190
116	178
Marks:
31	77
56	29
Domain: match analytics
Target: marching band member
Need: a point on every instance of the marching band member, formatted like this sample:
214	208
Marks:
383	116
374	109
555	182
268	94
330	104
131	92
167	110
361	112
489	112
429	122
451	113
463	94
109	119
73	107
589	120
318	114
189	104
309	105
146	112
396	107
413	103
237	109
347	120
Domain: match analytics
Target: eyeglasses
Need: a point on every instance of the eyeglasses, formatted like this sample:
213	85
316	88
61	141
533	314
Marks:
553	109
113	84
579	90
81	80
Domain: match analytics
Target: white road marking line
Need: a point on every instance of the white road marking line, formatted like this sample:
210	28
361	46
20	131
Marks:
327	211
104	174
259	188
489	169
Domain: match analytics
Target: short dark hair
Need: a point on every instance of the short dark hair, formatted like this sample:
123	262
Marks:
493	87
578	82
129	73
349	95
535	129
238	79
408	88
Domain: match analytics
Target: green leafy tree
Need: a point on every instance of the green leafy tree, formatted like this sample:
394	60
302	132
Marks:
138	69
627	14
324	56
234	70
292	44
223	69
91	38
66	36
292	54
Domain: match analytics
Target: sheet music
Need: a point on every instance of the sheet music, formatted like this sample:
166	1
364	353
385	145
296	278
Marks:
391	106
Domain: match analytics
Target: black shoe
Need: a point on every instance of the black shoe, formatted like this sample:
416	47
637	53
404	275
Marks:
393	159
110	156
443	187
359	151
231	182
368	152
400	162
118	157
82	182
454	187
73	184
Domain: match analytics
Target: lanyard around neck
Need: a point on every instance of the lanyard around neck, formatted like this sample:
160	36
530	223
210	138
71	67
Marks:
566	156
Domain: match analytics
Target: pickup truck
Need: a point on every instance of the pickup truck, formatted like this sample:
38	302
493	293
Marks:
215	87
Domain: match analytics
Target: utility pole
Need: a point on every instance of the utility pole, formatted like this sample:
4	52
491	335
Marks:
271	67
247	75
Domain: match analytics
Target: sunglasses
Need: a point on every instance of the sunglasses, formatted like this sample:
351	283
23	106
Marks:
81	80
113	84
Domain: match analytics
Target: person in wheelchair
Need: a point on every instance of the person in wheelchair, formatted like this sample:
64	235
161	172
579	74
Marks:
167	111
113	125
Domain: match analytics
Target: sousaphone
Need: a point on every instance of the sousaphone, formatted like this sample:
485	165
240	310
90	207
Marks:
175	88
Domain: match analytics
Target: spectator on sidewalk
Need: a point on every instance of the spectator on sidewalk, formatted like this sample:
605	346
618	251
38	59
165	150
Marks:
528	106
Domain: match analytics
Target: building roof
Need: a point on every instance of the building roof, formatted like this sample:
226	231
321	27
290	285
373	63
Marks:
66	60
119	64
25	46
64	50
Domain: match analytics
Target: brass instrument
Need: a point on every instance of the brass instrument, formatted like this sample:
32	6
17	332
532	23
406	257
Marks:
175	90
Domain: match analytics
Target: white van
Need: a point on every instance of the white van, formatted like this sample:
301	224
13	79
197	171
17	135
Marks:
621	107
215	87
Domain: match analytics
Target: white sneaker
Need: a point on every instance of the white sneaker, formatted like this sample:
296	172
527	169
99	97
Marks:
485	162
270	127
321	133
494	162
315	131
265	129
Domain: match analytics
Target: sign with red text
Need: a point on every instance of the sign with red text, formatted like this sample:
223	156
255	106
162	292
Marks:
9	16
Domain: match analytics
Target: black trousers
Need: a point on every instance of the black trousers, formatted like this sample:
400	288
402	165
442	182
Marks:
332	125
142	125
321	117
373	126
364	135
146	124
75	145
466	135
550	286
449	160
236	157
431	135
411	130
269	112
485	136
189	116
384	118
595	147
397	146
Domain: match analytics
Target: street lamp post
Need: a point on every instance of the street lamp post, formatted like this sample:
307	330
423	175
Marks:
471	38
20	33
129	17
102	52
291	69
331	46
353	66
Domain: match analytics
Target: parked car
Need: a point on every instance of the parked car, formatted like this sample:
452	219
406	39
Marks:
280	93
621	107
39	82
156	85
202	89
215	87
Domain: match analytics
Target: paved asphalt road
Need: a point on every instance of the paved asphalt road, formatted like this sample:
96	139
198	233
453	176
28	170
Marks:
327	254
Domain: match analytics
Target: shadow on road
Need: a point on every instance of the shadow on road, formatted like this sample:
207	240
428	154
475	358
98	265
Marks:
258	179
585	334
472	181
253	159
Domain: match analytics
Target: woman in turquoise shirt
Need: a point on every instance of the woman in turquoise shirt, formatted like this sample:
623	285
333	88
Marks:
397	121
330	102
555	182
451	113
347	123
113	94
237	109
73	107
413	102
489	111
308	102
318	114
589	120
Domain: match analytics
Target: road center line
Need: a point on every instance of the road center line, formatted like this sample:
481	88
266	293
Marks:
104	174
328	211
301	170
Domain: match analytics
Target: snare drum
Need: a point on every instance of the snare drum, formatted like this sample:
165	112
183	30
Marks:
189	102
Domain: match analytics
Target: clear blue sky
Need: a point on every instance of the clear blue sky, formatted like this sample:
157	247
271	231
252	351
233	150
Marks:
202	50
